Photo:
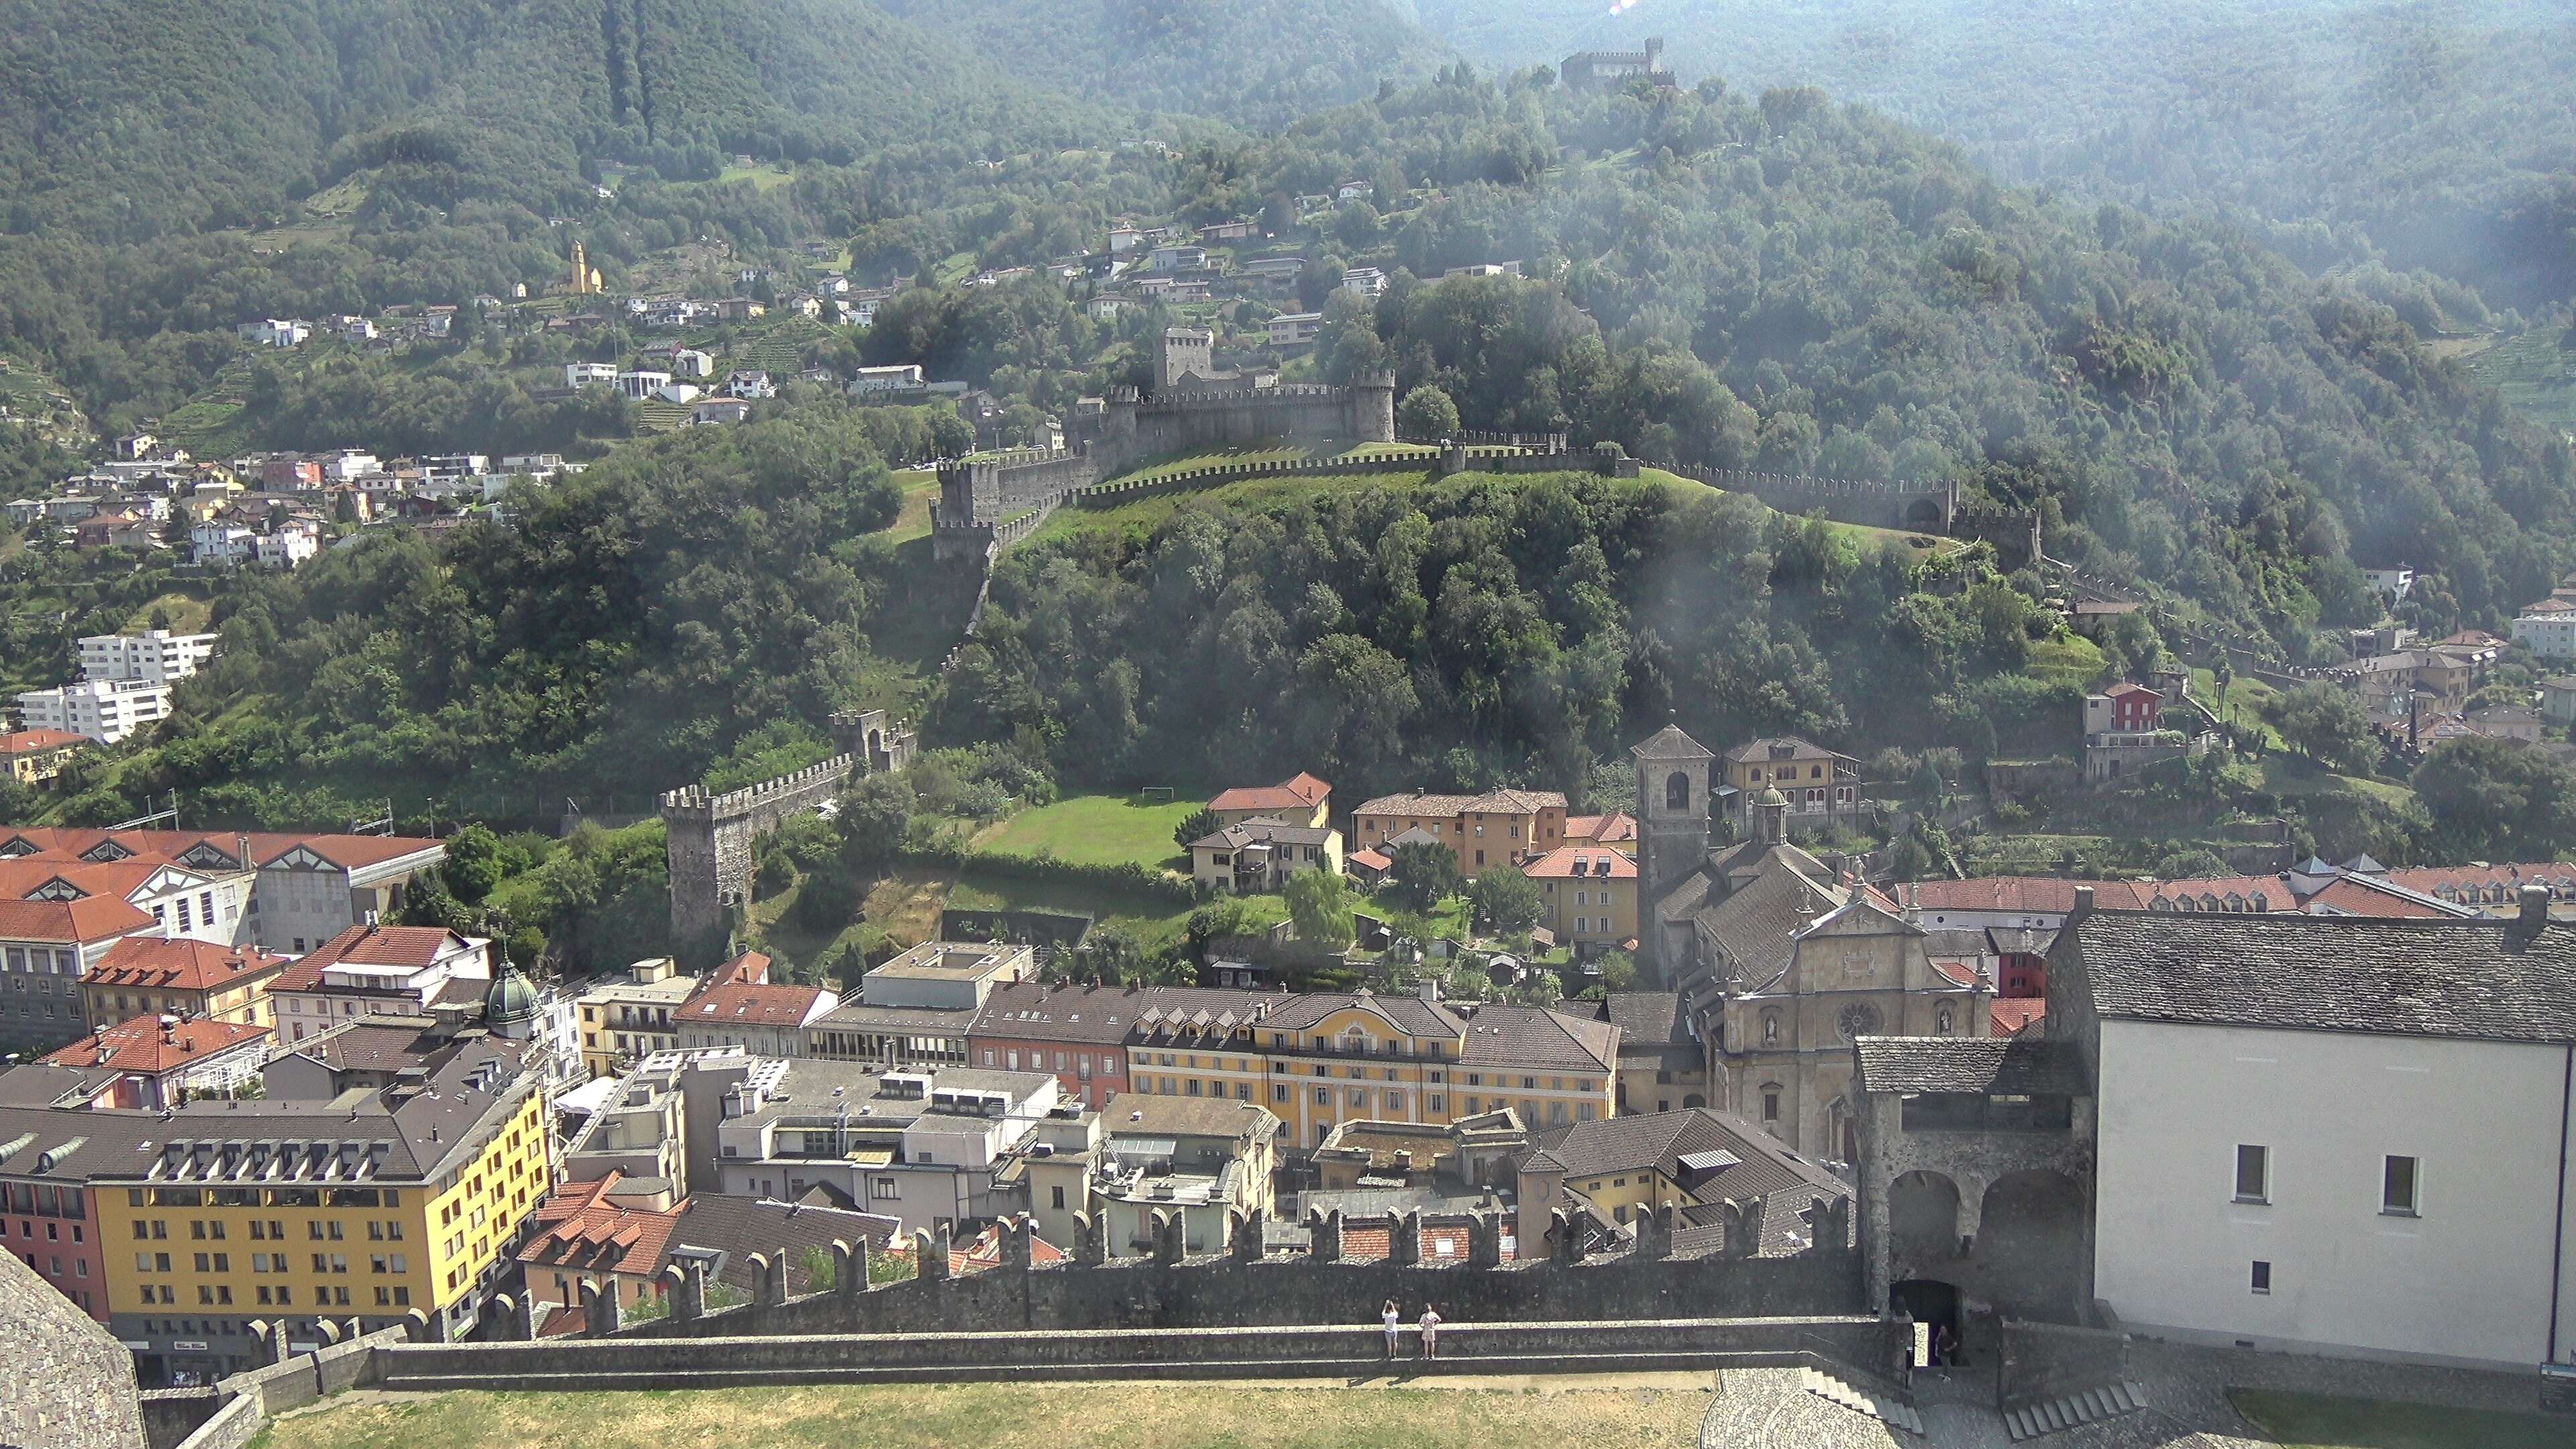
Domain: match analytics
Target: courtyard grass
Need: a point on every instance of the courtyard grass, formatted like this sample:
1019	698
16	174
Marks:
1015	1416
2320	1421
1096	830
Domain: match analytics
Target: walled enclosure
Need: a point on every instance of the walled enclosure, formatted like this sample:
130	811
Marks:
711	842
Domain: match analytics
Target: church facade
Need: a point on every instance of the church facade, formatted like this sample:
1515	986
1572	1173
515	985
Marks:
1781	958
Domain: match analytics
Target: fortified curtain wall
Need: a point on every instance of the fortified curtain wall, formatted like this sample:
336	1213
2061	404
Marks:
711	840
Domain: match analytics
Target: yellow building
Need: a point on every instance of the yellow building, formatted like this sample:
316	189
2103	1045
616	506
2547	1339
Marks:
34	756
623	1022
412	1198
1319	1060
1587	897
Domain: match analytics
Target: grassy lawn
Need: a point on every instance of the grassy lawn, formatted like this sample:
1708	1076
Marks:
2291	775
2066	659
765	177
2247	699
920	491
2317	1421
2536	372
187	615
1015	1416
1095	830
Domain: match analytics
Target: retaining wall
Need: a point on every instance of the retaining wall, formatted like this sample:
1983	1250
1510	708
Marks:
250	1400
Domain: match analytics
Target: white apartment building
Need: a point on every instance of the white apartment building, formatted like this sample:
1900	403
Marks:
590	374
287	547
2551	636
159	656
640	385
106	710
1295	329
2338	1134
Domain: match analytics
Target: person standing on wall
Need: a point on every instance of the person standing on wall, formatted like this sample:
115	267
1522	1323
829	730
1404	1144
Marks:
1430	1330
1394	1318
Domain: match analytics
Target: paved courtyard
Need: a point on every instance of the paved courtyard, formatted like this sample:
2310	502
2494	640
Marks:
2186	1390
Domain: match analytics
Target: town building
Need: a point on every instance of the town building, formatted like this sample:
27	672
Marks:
915	1010
1260	854
190	979
304	889
1587	898
739	1006
156	656
1822	786
1296	329
161	1061
1664	1066
626	1020
935	1149
45	949
106	710
1301	799
1698	1162
2549	635
378	970
35	757
1199	1159
1616	830
1501	827
2337	1135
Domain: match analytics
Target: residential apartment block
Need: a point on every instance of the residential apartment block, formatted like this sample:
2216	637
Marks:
626	1020
45	949
155	976
155	657
105	710
1587	898
379	970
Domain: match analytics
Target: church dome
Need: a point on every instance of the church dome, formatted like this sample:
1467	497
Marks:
511	1000
1770	796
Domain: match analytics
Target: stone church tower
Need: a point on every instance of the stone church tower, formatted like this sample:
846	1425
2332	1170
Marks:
1672	826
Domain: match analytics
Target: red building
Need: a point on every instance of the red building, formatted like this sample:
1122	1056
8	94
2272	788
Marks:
2134	707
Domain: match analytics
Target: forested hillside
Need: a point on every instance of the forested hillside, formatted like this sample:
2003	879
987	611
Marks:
135	118
1253	62
2438	135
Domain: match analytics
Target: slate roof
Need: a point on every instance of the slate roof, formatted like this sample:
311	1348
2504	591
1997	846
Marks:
1528	1036
1102	1015
2479	979
1984	1066
1669	743
1764	1166
2037	895
1143	1114
1262	830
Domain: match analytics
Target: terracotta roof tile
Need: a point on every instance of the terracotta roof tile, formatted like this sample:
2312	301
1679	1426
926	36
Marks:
1576	860
97	918
751	1006
140	1045
28	742
151	961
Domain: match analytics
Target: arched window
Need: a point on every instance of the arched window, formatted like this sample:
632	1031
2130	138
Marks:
1677	791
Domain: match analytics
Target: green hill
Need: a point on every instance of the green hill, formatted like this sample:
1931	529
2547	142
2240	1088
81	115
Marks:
1255	62
2438	135
134	118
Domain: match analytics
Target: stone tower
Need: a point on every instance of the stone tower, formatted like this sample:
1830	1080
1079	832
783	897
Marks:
1186	352
1672	821
1373	407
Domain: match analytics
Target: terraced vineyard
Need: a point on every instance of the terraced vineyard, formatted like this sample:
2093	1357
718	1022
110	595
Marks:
2536	372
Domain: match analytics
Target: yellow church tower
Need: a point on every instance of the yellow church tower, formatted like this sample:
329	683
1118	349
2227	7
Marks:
585	278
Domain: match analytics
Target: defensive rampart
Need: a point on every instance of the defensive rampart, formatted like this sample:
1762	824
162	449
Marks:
711	839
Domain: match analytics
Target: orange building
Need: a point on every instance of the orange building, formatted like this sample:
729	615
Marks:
1501	827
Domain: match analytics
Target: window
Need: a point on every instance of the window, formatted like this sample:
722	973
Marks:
2397	1181
1770	1104
1059	1195
883	1187
1279	1092
1323	1096
2253	1173
2262	1276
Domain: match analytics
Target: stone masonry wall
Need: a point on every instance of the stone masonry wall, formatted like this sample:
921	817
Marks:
1210	1293
2043	1361
711	837
70	1384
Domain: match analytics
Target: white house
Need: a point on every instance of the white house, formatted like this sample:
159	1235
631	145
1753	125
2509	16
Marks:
2391	584
690	362
902	377
291	544
157	655
222	545
1295	329
276	332
2551	636
590	374
720	410
677	392
640	385
106	710
750	385
2332	1134
1368	282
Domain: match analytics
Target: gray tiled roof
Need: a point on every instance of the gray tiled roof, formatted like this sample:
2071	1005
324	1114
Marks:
2479	978
1986	1066
1658	1140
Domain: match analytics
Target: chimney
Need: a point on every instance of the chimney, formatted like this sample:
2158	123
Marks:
2534	900
2083	903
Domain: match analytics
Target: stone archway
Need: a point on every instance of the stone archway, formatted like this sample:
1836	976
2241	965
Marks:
2030	1243
1923	513
1693	1099
1922	1221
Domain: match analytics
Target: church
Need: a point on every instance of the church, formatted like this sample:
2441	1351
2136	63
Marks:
1781	958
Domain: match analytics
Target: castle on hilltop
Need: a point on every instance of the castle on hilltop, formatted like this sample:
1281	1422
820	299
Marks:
985	503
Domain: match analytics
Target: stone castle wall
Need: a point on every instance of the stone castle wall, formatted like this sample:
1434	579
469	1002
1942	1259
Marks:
711	839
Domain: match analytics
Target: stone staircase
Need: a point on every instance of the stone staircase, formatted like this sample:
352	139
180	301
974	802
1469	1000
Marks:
2069	1411
1883	1405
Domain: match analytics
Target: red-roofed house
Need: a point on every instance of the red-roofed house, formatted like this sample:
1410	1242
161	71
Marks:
149	975
584	1233
378	970
45	947
2016	1015
739	1007
161	1061
308	887
1618	830
1587	896
1299	800
35	756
